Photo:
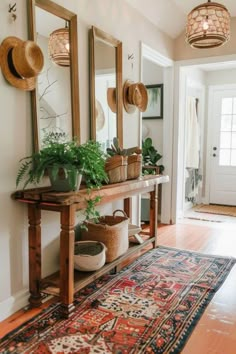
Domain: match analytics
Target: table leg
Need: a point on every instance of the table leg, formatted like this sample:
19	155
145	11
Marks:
34	216
128	206
67	239
153	213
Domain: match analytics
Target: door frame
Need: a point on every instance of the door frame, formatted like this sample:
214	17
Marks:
211	90
168	84
178	156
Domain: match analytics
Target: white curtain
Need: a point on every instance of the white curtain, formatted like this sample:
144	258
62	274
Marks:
192	134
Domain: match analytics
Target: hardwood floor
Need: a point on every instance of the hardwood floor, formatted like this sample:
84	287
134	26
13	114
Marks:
215	333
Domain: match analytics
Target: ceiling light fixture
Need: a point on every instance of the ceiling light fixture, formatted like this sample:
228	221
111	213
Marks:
208	25
59	46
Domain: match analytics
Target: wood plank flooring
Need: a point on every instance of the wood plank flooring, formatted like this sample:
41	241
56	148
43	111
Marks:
215	333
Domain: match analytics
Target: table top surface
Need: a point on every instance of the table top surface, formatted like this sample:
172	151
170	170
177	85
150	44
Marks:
109	191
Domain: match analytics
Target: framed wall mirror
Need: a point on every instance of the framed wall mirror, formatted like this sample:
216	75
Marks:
105	87
55	100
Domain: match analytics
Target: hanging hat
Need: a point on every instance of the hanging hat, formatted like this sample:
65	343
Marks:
100	116
111	98
134	95
21	62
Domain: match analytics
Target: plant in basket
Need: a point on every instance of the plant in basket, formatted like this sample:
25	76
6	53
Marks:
123	163
66	162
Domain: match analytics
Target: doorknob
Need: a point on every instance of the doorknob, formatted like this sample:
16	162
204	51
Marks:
214	148
214	155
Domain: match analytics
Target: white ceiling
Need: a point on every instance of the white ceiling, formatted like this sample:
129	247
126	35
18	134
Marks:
170	15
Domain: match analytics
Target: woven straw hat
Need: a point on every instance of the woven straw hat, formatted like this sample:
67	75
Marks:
100	116
134	95
21	62
111	98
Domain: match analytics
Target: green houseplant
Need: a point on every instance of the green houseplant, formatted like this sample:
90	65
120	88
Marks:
66	160
150	158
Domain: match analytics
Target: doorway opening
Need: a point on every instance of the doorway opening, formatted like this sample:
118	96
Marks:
197	82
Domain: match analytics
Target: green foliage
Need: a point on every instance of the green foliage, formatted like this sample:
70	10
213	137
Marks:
150	155
87	158
115	149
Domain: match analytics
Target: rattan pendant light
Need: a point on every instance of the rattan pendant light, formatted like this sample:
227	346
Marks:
59	46
208	25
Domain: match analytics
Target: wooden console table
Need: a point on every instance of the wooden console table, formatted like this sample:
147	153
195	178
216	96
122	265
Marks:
67	281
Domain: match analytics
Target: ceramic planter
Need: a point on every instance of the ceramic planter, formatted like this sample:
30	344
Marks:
65	181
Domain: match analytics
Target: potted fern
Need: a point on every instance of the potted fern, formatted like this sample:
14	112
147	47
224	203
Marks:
66	162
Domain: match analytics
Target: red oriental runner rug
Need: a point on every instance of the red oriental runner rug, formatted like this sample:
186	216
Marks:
151	306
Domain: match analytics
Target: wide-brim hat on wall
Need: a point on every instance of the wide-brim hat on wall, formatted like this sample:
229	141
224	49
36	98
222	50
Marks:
111	98
21	62
100	116
134	95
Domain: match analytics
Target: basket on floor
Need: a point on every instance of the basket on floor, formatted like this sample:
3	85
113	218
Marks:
112	230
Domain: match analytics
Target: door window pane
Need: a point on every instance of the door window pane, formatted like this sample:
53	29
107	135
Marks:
224	157
226	123
234	106
233	157
227	105
234	123
233	145
227	148
225	140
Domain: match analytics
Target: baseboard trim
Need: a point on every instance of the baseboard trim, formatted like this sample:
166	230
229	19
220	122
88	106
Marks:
13	304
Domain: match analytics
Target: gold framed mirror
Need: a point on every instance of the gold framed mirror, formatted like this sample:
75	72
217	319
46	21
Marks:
105	87
55	100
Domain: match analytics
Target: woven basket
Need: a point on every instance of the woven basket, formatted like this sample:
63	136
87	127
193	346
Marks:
112	231
89	255
116	168
134	167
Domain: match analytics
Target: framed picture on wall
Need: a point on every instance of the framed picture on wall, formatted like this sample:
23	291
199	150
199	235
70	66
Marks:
155	102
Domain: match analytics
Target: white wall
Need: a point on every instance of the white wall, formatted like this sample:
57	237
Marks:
221	77
125	24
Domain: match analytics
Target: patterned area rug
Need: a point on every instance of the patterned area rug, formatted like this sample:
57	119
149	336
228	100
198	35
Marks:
216	209
151	306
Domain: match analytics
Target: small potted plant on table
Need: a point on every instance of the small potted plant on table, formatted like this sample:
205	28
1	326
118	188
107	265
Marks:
150	158
150	167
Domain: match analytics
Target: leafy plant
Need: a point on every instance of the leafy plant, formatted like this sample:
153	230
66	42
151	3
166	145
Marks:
67	156
150	155
115	149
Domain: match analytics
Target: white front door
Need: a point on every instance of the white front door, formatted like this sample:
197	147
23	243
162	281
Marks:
223	147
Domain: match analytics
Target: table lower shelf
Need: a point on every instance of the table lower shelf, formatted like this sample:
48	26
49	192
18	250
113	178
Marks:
50	284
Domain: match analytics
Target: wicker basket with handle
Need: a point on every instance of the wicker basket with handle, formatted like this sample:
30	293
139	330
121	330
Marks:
112	231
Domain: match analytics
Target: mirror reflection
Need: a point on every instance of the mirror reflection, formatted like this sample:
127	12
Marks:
106	87
55	100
